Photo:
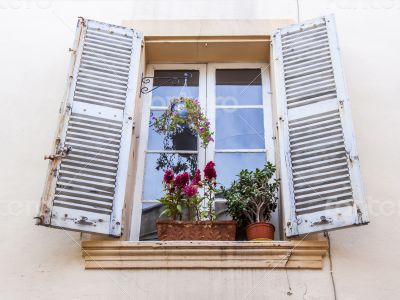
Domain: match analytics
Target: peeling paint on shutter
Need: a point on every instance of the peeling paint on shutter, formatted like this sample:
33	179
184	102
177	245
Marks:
319	166
87	177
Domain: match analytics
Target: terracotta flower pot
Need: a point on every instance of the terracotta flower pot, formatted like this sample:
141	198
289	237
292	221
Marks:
260	231
168	230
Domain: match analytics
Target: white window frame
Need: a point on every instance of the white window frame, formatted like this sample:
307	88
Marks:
207	98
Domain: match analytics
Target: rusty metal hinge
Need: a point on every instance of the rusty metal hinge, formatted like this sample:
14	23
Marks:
61	153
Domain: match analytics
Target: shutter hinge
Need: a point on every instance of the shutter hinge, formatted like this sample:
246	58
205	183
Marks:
39	219
350	158
359	215
61	153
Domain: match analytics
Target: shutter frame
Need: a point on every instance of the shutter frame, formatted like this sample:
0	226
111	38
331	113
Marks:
328	218
109	39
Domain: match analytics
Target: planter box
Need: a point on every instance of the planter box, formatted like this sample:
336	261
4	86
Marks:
168	230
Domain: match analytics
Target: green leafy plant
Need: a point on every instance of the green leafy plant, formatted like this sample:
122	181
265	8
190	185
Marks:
195	195
253	196
184	113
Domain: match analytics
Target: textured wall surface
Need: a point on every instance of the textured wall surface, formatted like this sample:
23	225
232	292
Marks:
41	263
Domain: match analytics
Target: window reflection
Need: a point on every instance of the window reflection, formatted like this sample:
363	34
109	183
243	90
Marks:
240	128
238	87
150	213
167	91
230	164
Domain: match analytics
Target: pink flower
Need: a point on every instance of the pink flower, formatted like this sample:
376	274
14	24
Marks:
209	171
182	179
197	178
190	190
168	176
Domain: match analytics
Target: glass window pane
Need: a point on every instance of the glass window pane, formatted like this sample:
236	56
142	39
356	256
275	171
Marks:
238	87
239	129
157	164
229	165
150	213
163	95
184	140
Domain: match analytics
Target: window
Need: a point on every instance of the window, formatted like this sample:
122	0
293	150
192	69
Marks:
237	101
321	186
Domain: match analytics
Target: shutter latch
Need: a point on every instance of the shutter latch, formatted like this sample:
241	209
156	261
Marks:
61	153
323	221
84	221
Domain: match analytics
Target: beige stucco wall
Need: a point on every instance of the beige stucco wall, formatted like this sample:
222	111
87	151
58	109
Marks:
41	263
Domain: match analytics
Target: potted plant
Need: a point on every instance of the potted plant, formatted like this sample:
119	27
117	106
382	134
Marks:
252	199
189	206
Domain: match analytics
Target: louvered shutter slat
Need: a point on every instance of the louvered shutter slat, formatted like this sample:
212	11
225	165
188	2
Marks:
321	181
85	189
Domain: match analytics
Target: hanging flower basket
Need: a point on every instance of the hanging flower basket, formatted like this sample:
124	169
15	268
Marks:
183	114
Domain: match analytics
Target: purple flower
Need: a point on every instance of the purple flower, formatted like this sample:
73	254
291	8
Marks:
209	171
201	129
168	176
182	179
190	190
197	178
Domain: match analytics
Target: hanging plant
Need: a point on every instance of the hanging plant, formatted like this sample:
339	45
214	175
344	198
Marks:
182	114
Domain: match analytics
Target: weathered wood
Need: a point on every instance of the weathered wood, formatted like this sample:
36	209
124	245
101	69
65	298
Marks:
321	184
86	181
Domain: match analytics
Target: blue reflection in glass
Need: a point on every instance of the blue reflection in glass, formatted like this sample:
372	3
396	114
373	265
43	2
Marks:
239	129
238	95
229	165
238	87
168	90
163	95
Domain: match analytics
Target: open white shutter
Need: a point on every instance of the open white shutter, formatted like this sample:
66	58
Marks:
87	177
319	165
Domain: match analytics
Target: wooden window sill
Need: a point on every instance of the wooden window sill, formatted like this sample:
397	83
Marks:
204	255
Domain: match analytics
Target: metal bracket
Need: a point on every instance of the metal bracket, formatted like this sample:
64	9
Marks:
166	80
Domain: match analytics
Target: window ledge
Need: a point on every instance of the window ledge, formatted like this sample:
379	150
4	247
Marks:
204	255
